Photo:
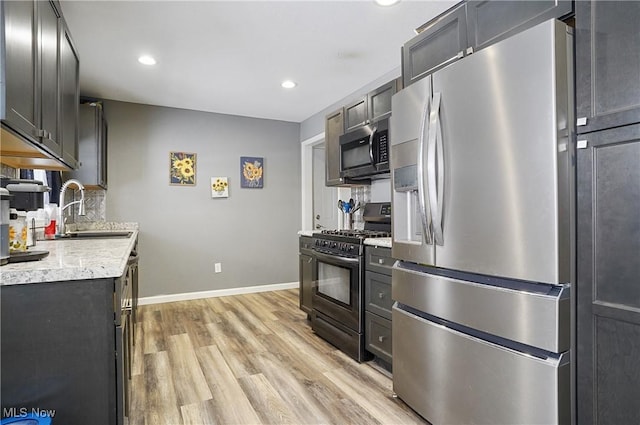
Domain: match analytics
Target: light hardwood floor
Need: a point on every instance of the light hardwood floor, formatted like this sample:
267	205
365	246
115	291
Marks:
250	359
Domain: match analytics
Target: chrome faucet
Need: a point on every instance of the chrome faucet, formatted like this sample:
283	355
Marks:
81	211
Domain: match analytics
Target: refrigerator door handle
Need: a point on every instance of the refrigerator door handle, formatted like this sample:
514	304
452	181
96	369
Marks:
425	212
435	171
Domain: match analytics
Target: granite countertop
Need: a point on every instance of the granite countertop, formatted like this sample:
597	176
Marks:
74	259
381	242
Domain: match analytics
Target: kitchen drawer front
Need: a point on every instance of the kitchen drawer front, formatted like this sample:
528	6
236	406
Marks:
379	260
378	294
378	336
453	378
533	314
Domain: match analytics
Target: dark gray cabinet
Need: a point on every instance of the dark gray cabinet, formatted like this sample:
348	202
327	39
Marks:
19	62
38	82
92	147
607	35
47	36
306	274
608	272
376	105
470	26
69	77
441	41
333	129
378	302
60	349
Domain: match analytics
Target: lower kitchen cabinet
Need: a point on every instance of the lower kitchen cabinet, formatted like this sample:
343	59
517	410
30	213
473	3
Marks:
378	303
306	273
64	350
608	273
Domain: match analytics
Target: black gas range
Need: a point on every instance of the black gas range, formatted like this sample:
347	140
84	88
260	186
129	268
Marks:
338	273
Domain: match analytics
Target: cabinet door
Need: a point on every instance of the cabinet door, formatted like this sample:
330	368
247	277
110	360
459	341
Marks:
19	61
355	114
441	42
379	101
48	20
334	128
69	97
491	21
91	170
608	269
607	37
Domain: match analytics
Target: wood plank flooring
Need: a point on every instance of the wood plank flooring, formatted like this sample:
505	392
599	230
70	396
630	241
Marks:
250	359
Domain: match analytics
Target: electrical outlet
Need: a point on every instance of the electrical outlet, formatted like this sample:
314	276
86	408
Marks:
218	267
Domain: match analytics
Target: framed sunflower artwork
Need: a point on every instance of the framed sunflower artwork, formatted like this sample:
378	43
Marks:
182	169
251	172
219	187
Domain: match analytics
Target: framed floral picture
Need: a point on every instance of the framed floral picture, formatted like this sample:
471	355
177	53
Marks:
251	172
182	168
219	187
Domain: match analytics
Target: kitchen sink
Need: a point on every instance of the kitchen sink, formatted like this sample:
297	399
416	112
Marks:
97	234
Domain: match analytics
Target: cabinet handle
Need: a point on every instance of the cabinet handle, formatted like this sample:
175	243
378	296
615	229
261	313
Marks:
581	121
381	338
381	295
582	144
380	260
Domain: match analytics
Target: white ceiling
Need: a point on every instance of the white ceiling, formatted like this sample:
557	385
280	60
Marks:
231	56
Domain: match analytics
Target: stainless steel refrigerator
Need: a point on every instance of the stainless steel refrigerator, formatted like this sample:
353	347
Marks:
482	173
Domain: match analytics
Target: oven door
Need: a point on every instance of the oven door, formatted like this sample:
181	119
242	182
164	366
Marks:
336	289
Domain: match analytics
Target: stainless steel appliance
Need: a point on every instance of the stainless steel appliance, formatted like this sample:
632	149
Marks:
338	280
5	196
482	175
364	151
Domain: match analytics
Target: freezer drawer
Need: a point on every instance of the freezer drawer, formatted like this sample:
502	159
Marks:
533	314
453	378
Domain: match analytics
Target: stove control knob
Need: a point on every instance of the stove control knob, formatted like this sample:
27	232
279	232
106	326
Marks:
333	245
351	248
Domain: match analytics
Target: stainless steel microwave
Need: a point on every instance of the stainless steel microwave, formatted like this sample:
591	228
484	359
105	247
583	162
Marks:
364	151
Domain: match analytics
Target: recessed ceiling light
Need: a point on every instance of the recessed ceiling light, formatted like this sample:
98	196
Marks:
146	60
386	2
288	84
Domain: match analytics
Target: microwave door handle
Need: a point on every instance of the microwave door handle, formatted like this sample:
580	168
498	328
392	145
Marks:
371	136
435	171
425	213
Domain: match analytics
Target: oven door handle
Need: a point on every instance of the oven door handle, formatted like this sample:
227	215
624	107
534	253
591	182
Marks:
335	258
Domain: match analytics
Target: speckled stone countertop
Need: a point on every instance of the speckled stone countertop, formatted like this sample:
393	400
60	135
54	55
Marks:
75	259
381	242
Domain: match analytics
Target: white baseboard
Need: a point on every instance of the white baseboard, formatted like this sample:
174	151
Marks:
159	299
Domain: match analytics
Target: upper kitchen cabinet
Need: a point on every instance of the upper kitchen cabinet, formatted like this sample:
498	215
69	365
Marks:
92	147
34	111
69	97
469	27
376	105
607	37
333	129
491	21
441	41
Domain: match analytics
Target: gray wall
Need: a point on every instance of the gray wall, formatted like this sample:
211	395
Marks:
253	233
314	125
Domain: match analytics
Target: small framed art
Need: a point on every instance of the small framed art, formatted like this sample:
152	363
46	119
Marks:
182	168
251	172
